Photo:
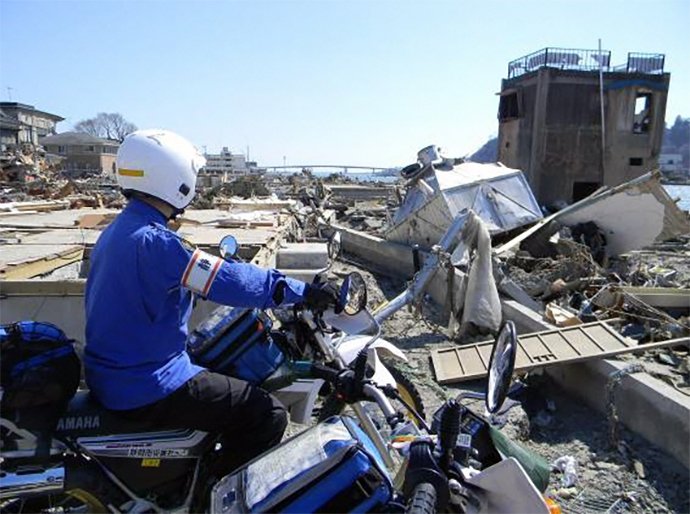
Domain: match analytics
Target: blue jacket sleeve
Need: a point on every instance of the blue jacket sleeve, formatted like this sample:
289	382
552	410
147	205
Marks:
237	284
246	285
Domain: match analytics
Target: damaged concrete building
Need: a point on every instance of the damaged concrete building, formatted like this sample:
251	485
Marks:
23	124
553	126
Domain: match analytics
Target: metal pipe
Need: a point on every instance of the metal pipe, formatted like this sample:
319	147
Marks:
601	102
28	483
373	433
427	272
377	395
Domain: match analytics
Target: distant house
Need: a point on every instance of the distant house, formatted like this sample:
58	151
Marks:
83	154
24	124
671	164
9	131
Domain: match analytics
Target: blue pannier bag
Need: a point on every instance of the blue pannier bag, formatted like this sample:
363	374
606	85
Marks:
332	467
40	373
236	342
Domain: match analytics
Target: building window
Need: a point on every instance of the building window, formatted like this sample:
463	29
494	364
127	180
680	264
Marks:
509	106
635	161
584	189
60	149
90	148
643	113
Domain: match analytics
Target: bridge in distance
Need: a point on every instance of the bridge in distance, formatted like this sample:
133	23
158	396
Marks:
337	168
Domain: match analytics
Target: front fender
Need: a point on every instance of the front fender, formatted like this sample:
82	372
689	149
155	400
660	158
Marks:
350	348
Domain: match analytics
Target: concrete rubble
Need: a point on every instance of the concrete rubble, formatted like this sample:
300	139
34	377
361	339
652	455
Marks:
614	267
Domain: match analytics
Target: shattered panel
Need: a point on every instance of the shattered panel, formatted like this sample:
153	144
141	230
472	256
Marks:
634	217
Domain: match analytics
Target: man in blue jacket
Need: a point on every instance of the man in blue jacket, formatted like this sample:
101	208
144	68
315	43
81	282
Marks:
139	297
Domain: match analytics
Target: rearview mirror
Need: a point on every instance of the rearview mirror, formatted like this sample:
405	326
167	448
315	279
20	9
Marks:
353	294
228	247
501	367
334	246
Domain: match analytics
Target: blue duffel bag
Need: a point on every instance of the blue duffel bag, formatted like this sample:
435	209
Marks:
236	342
332	467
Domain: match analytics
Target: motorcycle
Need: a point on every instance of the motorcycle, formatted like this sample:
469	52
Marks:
98	461
458	464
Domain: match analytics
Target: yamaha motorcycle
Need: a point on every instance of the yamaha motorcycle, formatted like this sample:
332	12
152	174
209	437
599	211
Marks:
100	462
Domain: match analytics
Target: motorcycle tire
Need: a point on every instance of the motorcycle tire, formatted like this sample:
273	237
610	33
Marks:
423	500
333	406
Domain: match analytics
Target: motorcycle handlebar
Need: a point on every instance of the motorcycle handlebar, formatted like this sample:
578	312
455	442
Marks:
324	372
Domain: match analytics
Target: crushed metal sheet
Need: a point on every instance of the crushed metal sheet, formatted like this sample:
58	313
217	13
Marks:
559	346
632	216
500	196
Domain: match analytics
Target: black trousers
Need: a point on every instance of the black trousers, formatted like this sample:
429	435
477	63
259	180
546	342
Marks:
250	420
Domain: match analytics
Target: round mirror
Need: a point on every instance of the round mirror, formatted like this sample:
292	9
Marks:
353	294
228	247
334	246
501	367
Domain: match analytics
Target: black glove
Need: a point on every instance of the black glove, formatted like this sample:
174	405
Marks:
321	296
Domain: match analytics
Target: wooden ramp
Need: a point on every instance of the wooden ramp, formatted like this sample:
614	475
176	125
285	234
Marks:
559	346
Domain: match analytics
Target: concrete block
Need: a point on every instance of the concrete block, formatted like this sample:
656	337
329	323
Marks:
392	259
305	275
302	256
525	319
646	405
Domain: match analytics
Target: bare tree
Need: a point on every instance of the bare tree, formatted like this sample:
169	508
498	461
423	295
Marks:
89	126
106	125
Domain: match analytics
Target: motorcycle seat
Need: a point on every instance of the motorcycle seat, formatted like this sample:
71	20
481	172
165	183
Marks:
85	416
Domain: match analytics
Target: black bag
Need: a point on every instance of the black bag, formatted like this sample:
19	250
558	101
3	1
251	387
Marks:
40	373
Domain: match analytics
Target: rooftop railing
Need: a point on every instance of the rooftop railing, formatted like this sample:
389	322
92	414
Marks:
584	60
645	63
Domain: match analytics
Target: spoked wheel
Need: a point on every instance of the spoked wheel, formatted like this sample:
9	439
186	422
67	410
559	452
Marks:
408	392
74	501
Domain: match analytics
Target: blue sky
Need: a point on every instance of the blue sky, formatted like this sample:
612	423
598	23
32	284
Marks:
333	82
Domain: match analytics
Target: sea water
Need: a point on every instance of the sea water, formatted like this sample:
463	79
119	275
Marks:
682	192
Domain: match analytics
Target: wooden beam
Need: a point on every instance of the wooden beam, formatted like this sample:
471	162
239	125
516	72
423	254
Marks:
42	287
42	265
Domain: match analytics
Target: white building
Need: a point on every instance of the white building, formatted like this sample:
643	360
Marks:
671	162
226	164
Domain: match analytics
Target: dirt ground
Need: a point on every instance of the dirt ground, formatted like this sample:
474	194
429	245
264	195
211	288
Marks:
633	476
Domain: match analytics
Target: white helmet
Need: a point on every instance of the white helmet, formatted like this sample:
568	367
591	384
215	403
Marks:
159	163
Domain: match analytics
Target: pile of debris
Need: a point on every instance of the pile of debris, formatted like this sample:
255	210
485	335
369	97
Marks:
606	277
29	174
26	164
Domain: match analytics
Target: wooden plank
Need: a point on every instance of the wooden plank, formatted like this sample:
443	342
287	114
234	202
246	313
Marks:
42	265
74	287
562	345
590	341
